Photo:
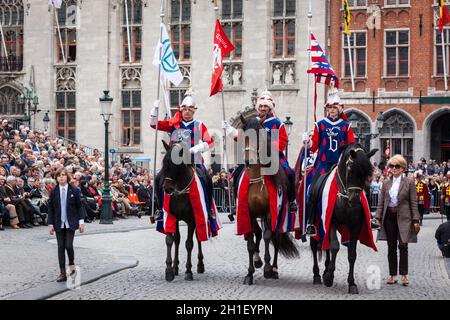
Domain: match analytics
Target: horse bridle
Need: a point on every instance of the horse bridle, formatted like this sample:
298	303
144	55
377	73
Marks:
185	190
347	189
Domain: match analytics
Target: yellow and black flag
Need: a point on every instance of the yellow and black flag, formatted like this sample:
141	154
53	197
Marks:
347	18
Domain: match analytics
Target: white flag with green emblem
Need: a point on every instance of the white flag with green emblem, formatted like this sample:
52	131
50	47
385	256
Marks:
169	65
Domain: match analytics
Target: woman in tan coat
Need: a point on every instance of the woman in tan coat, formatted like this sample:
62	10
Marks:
399	217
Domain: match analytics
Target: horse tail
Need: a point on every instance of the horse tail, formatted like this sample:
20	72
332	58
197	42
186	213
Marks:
285	244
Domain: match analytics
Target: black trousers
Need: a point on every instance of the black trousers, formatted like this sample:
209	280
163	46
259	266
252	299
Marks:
447	212
421	209
64	238
393	239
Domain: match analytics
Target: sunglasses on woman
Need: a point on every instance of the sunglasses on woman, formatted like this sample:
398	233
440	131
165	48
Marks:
397	166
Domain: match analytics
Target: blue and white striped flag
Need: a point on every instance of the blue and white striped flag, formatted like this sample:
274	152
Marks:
169	66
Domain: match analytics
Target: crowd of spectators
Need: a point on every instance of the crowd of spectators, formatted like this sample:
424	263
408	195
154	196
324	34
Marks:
29	160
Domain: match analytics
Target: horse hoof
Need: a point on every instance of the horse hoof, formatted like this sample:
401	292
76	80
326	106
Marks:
270	274
200	268
248	280
328	279
175	271
258	264
353	289
170	275
317	280
188	277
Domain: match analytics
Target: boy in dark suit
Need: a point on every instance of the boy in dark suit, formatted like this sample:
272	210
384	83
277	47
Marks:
65	216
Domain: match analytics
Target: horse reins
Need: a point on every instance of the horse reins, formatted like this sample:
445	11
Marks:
346	190
186	190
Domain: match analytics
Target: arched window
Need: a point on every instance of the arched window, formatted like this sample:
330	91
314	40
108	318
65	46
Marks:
361	128
398	133
9	102
11	19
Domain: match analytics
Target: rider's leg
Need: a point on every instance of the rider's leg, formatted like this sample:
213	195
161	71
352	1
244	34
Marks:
159	197
291	189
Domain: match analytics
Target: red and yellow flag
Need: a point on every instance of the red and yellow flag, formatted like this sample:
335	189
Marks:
444	17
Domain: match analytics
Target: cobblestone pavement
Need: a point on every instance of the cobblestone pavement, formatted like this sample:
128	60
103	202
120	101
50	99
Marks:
28	259
226	265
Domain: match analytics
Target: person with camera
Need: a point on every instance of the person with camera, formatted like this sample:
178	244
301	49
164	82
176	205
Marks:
398	217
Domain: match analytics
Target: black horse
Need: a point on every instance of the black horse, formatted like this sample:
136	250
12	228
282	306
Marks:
354	170
175	179
258	204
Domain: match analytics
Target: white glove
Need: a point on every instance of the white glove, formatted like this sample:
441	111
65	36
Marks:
201	147
305	137
230	130
154	113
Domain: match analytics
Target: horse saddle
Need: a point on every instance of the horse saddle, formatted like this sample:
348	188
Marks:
317	185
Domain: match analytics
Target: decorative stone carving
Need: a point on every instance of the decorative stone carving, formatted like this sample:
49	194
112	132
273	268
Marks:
289	77
65	79
237	76
131	78
276	76
226	76
9	101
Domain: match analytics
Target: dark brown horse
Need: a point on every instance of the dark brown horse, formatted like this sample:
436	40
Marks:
175	180
258	202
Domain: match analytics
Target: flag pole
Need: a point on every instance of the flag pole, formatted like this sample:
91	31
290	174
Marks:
4	46
157	109
444	60
128	32
351	61
59	33
307	115
224	158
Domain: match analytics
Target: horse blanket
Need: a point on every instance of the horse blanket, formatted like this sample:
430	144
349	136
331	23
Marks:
281	219
206	226
324	214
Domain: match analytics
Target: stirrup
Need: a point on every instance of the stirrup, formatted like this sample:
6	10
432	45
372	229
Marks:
157	215
311	231
293	206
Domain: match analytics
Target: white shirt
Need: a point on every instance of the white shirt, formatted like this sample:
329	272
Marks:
394	191
64	220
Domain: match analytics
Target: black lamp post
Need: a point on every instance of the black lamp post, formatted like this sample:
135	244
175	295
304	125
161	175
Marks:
46	120
288	124
354	120
106	107
28	99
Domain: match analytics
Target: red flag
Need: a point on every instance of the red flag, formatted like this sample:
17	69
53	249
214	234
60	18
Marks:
222	47
444	17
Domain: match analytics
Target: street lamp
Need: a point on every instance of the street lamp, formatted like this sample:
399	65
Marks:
106	108
27	99
288	124
46	120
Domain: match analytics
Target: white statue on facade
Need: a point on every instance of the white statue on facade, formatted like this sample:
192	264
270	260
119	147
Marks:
289	75
225	76
277	75
236	76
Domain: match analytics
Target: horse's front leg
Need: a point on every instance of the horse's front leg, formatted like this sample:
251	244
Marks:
176	260
169	269
200	265
313	243
251	251
267	235
328	276
354	233
258	236
189	247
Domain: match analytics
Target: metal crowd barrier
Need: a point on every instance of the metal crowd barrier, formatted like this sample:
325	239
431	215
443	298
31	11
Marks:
221	199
